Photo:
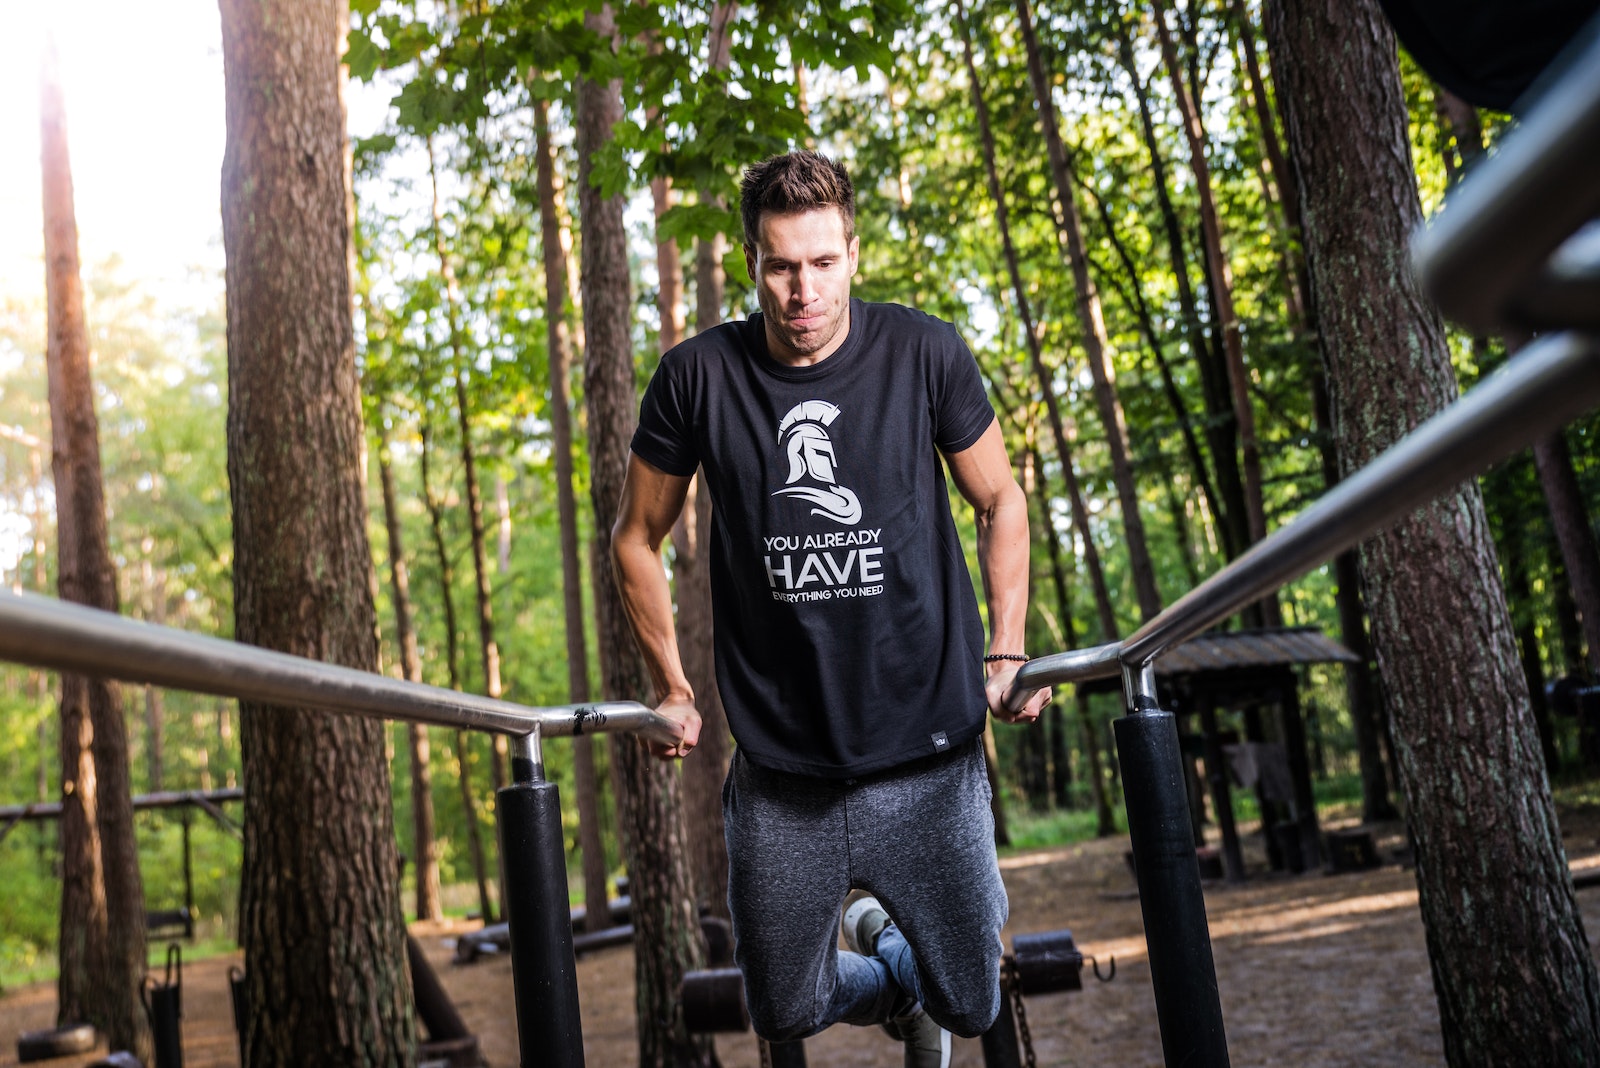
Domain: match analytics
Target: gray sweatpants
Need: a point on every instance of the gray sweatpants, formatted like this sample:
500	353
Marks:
920	838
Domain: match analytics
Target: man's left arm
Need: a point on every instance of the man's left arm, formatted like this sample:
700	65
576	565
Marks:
982	474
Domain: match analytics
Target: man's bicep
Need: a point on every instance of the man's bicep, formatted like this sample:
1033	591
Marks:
651	502
982	471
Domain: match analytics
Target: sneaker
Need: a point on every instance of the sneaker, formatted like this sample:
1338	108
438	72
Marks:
927	1045
864	920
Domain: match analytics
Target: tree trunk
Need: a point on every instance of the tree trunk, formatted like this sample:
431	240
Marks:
319	915
1275	184
1091	321
425	857
1516	984
502	505
691	539
447	598
1221	284
1134	297
1104	822
1574	535
1365	709
102	939
499	766
1504	502
155	586
991	769
597	911
1080	511
1220	428
667	940
1551	456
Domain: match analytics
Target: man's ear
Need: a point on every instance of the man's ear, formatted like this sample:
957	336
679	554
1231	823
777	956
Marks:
855	252
750	262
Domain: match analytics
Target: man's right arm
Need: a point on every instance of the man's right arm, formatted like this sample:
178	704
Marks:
651	502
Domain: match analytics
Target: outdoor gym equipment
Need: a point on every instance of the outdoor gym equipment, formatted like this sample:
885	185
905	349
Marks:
1515	249
163	1004
1047	963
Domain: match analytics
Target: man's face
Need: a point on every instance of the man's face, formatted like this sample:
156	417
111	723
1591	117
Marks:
802	265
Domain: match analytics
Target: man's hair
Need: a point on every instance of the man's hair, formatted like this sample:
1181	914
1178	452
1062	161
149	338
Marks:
793	183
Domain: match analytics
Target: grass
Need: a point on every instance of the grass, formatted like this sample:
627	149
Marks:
1055	827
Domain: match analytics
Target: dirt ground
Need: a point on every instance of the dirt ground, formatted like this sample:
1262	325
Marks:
1327	970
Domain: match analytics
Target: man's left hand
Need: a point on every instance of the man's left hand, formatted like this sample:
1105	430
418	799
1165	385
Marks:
1001	675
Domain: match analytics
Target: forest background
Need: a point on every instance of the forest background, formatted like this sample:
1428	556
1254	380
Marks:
453	310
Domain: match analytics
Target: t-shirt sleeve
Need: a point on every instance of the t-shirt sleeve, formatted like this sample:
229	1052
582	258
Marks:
665	435
961	410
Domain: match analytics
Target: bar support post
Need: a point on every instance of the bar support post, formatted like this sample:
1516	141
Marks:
544	971
1182	971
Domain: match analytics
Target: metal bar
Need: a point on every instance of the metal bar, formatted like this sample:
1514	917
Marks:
49	810
46	633
1553	381
1483	257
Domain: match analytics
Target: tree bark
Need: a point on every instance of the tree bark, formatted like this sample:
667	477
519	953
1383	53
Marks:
1091	321
319	915
667	941
102	934
597	911
447	599
488	647
425	857
1516	984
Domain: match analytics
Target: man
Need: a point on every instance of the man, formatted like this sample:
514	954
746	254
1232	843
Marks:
849	644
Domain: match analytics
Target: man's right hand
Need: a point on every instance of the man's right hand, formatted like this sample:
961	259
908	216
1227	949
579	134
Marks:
679	710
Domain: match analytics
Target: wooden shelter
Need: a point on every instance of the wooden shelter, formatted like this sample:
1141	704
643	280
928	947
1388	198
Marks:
1248	671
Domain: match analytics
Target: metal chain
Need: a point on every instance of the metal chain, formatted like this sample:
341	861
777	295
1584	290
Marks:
1014	983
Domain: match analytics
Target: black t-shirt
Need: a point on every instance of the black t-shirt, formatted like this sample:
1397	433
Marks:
847	633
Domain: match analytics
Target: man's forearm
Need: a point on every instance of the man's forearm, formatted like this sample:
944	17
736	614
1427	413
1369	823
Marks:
647	600
1003	564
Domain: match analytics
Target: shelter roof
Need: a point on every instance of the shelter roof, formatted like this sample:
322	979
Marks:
1230	650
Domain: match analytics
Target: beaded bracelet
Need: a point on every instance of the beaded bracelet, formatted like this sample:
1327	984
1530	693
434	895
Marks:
1020	658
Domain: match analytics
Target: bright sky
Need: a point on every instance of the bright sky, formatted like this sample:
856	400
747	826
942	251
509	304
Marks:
143	85
146	125
145	120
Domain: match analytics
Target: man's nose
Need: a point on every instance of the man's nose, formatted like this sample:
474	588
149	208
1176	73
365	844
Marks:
805	286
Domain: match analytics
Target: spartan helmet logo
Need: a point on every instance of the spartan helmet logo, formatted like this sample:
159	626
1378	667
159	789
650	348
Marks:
803	436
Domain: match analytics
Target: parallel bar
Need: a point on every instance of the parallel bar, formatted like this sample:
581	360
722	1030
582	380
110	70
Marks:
1550	383
46	633
1554	380
1483	258
49	810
